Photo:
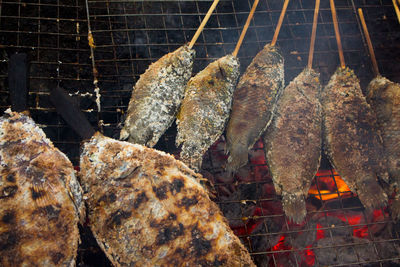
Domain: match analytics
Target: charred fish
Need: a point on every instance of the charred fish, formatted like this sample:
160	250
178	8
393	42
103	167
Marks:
254	101
352	139
148	209
156	97
205	109
384	97
40	197
293	142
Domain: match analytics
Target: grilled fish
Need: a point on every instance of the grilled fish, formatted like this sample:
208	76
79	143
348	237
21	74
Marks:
293	142
384	97
205	109
254	101
352	139
156	97
40	197
148	209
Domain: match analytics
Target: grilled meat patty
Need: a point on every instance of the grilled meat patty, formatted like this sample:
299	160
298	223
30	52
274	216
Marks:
40	197
205	109
148	209
156	97
384	97
254	101
293	142
352	139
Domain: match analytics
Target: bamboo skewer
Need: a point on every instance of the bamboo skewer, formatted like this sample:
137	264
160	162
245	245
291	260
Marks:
246	26
396	8
313	33
203	23
337	34
278	26
369	43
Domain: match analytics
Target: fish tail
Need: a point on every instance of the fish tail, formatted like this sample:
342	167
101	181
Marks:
238	157
294	206
371	194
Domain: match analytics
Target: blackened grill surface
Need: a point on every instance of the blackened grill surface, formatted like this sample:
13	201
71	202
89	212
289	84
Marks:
129	35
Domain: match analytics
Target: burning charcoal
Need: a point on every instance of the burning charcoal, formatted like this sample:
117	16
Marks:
293	142
205	109
351	138
384	97
156	97
253	104
305	237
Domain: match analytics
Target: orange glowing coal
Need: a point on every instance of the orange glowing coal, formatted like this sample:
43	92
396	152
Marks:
329	185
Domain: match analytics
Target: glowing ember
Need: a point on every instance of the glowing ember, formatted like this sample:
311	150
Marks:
330	184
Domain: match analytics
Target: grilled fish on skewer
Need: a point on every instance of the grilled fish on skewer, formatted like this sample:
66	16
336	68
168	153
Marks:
384	97
40	198
254	102
293	142
148	209
351	138
156	97
205	109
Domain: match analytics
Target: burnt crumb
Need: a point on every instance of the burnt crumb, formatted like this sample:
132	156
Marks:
201	245
142	197
11	178
117	217
56	257
181	252
177	185
108	198
8	191
172	217
37	193
8	217
147	251
161	191
206	263
188	202
169	233
218	262
51	211
8	240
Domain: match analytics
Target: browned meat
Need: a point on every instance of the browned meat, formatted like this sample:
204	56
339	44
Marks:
293	142
384	97
254	102
40	198
352	139
148	209
205	109
157	96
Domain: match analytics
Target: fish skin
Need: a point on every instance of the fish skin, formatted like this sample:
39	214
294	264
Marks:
148	209
293	142
352	139
41	200
156	97
254	101
205	109
384	97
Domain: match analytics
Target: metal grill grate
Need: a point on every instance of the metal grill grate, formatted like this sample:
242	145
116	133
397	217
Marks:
129	35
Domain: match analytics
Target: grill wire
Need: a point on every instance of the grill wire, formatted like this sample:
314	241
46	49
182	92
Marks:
129	35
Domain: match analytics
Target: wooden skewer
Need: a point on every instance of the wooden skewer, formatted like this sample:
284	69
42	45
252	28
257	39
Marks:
278	26
246	26
203	23
313	33
396	8
337	34
369	43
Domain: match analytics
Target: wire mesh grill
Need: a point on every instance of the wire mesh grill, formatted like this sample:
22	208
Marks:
129	35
